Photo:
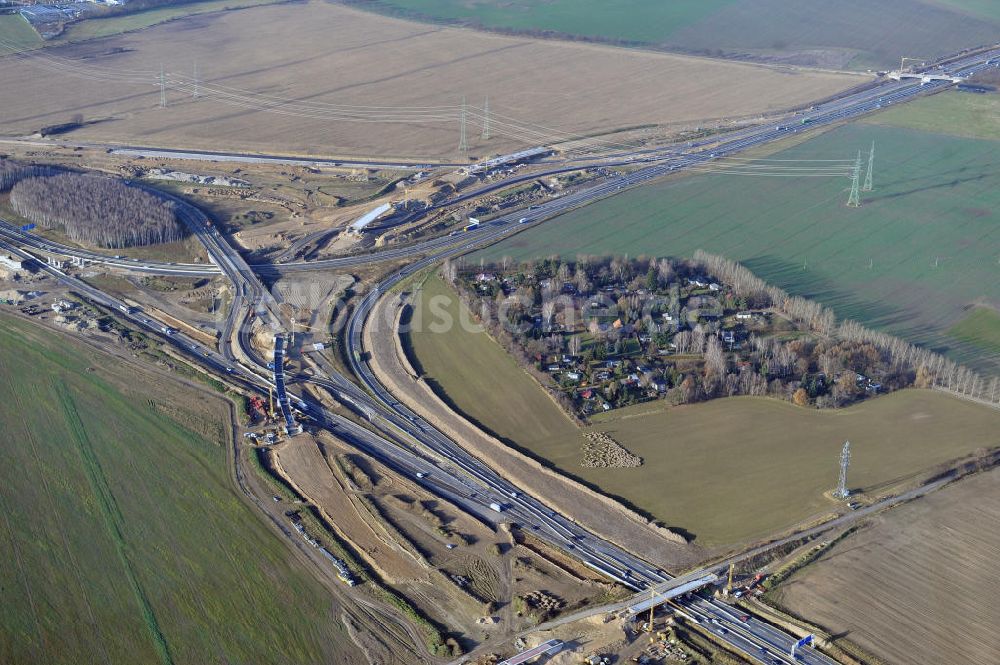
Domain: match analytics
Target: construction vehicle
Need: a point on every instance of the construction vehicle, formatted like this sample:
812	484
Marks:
594	659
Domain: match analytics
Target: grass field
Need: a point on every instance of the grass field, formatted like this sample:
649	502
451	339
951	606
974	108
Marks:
922	247
811	31
123	537
919	586
980	328
114	25
956	113
331	60
725	471
735	469
16	33
482	380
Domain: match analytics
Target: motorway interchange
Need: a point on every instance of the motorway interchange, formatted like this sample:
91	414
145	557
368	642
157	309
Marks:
404	441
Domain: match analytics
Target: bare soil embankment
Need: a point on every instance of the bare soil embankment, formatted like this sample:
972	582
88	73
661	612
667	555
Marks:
604	516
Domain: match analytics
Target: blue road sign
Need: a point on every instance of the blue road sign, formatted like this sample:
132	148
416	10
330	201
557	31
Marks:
807	640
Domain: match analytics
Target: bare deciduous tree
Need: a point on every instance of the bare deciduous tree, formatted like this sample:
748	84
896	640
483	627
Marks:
11	172
97	210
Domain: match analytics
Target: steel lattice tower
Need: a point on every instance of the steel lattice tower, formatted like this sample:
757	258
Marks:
871	165
854	200
486	118
163	88
845	461
463	143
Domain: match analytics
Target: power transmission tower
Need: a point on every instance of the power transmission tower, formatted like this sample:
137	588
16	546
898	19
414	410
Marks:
845	461
871	165
195	93
486	119
163	88
854	200
463	143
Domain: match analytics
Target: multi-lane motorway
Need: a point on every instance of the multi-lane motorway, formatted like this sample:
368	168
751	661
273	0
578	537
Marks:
406	442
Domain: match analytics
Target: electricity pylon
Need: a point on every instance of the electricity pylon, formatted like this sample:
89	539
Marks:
486	119
463	143
845	461
871	165
854	200
163	88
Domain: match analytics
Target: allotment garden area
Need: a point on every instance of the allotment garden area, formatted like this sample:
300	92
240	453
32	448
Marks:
659	451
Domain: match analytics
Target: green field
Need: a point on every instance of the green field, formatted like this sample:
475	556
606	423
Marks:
862	33
459	365
113	25
956	113
925	244
16	33
123	538
981	328
726	470
734	469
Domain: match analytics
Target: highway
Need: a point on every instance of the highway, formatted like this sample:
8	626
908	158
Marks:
407	443
13	233
662	161
470	485
233	157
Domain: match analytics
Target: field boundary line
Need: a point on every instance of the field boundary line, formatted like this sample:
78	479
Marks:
112	516
968	398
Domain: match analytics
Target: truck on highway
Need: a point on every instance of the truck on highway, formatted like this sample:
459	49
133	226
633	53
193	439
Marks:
499	507
167	330
126	309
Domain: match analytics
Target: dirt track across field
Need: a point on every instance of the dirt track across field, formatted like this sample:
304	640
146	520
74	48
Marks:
329	57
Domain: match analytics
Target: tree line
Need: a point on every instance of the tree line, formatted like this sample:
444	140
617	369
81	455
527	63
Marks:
11	172
107	212
834	364
928	369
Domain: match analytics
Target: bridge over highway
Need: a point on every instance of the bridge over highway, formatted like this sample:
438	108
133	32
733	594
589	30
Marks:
407	443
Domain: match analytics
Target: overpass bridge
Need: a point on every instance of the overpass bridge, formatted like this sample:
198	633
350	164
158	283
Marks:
668	591
926	77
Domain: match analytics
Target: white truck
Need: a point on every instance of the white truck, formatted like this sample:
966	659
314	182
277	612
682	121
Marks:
499	507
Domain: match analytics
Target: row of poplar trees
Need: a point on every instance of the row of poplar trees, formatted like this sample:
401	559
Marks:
97	210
